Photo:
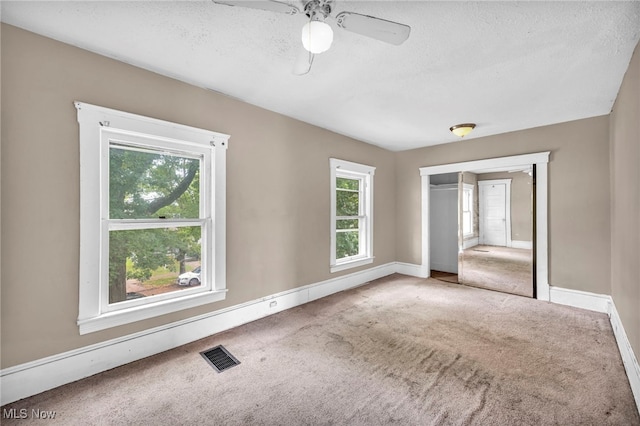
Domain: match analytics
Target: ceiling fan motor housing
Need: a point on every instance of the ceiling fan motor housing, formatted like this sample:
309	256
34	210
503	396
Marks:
314	8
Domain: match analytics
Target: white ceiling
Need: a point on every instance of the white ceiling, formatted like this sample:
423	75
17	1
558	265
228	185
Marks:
503	65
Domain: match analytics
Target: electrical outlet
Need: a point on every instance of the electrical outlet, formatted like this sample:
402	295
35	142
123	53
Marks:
273	304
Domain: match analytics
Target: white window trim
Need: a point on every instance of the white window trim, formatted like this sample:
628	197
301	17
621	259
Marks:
93	121
467	187
349	169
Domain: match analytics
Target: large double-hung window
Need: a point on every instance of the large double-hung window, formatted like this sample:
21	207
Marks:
152	217
351	214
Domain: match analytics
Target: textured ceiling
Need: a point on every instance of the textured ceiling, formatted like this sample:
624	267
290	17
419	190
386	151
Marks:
503	65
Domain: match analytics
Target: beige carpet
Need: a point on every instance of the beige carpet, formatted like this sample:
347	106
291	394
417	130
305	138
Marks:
400	350
504	269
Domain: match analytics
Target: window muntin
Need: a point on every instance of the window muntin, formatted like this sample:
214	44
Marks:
152	208
351	214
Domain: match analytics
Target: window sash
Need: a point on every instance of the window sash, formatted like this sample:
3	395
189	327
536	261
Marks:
362	243
205	280
152	150
362	238
136	224
148	143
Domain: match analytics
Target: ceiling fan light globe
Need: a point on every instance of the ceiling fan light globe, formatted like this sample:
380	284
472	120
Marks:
317	36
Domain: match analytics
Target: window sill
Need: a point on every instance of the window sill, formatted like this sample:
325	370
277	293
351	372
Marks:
139	313
351	264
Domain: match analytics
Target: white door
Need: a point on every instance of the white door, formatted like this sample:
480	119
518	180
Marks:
493	213
444	229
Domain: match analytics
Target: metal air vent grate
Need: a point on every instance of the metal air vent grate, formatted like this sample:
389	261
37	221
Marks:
220	358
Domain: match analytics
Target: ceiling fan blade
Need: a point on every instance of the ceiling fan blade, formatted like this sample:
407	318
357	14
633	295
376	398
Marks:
270	5
381	29
303	63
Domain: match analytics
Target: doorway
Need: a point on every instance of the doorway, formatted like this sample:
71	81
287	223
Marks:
538	242
444	225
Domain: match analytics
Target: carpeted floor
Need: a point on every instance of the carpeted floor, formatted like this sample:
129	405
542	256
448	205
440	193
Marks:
504	269
399	350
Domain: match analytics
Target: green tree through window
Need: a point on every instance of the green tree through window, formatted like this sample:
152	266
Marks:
347	217
145	184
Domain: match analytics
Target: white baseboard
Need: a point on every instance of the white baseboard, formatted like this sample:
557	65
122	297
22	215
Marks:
580	299
412	270
522	244
345	282
471	242
604	303
626	352
31	378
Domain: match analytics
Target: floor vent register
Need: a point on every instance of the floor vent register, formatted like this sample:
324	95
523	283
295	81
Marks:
220	358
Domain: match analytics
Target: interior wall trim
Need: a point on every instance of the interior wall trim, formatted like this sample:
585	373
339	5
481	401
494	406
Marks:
626	352
470	242
31	378
522	244
580	299
604	303
412	269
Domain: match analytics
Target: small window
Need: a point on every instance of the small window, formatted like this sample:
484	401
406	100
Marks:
351	214
152	217
467	210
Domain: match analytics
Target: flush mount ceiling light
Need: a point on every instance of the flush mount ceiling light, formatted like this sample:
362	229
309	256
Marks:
462	129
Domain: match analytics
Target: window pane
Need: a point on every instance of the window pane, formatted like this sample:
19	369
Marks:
466	222
347	244
150	184
146	262
347	224
345	183
347	203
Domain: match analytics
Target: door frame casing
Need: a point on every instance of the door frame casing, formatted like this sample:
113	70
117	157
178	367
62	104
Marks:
540	160
507	208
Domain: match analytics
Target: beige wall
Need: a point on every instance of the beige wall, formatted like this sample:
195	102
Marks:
579	217
625	202
277	195
521	226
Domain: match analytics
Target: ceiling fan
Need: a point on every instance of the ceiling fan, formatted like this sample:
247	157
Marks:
317	35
